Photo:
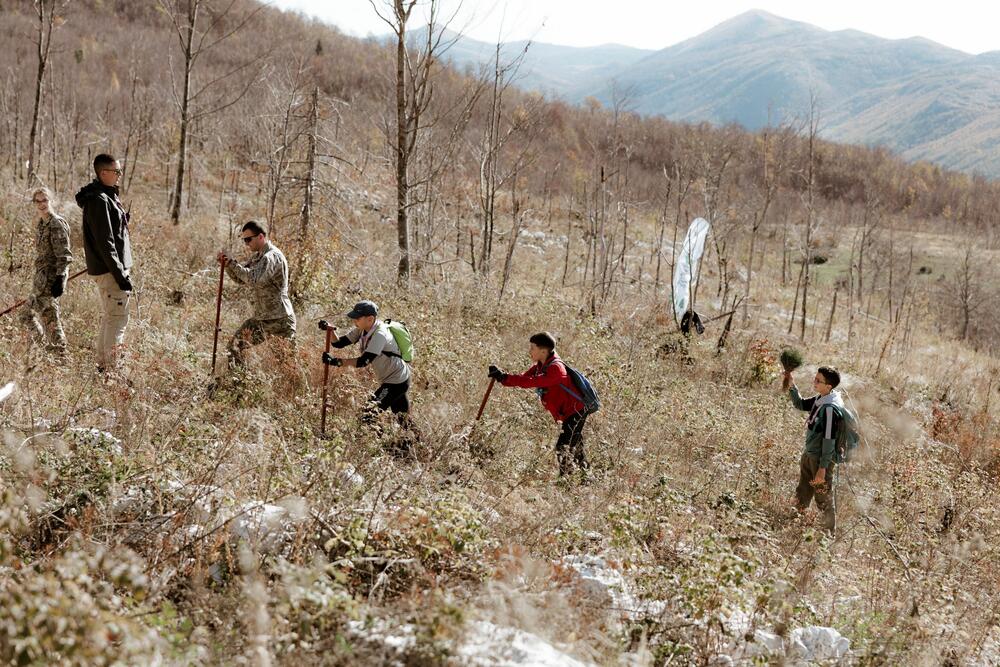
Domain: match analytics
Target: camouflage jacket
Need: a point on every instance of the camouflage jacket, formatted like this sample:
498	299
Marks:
267	274
52	253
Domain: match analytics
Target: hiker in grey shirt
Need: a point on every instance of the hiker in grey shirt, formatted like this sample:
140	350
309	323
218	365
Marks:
266	274
380	351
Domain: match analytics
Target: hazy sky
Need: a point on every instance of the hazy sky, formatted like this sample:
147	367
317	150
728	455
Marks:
970	26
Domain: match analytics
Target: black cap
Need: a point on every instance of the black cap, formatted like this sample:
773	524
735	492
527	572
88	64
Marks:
363	309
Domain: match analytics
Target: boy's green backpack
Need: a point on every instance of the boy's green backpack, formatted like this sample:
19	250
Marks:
848	437
404	341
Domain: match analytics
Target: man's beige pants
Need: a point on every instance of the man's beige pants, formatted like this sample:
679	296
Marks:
114	317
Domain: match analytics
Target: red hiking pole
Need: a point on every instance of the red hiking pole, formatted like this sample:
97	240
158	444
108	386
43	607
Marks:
24	301
218	311
486	397
465	437
326	378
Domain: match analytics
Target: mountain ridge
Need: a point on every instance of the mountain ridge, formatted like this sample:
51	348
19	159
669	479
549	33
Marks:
758	68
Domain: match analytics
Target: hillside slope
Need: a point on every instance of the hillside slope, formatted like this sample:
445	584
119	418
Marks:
151	517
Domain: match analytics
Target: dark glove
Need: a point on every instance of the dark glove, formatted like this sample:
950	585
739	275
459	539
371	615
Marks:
496	374
58	287
125	284
331	360
324	325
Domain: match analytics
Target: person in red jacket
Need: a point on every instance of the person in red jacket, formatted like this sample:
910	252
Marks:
549	379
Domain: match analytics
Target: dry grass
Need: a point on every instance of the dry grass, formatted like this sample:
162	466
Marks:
694	461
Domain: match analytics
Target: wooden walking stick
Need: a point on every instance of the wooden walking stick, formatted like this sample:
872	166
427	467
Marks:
218	311
24	301
482	406
486	397
326	378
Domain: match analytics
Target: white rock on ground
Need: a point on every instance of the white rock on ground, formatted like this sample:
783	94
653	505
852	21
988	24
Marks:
816	643
349	476
989	654
607	587
266	528
803	646
95	438
484	645
489	645
397	639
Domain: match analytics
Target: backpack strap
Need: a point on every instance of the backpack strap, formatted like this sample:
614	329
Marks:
572	393
384	324
562	386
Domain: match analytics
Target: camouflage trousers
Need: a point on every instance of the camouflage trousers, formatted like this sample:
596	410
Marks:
49	330
254	332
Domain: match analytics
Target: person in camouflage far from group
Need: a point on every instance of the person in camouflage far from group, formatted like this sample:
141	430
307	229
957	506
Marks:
52	258
266	273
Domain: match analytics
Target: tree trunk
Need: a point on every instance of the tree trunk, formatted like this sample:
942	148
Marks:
44	40
307	200
402	152
833	310
175	204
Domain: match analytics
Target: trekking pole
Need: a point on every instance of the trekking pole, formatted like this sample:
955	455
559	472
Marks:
486	397
218	311
24	301
326	378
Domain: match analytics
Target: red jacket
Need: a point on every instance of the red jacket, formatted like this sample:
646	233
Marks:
547	377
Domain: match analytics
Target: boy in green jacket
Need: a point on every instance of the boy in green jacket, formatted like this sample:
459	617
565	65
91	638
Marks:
816	467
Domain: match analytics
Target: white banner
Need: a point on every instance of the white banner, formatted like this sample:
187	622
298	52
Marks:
686	268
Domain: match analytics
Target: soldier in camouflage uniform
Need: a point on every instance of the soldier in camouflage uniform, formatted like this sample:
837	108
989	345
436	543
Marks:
267	275
52	258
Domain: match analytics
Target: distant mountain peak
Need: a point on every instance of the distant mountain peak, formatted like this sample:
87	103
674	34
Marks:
760	23
752	26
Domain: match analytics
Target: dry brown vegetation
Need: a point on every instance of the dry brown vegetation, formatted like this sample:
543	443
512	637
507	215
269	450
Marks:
131	544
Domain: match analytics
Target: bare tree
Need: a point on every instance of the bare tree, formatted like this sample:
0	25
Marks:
284	121
197	36
138	124
10	113
808	177
46	11
718	154
967	291
772	143
500	129
309	188
415	68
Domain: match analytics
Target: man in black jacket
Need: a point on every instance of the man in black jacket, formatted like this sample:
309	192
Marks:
109	256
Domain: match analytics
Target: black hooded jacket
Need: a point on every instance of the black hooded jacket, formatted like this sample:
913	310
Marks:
105	231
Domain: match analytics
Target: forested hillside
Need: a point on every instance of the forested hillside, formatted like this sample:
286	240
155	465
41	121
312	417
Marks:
155	517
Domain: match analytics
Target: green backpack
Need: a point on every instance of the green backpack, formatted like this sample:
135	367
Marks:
404	341
848	437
